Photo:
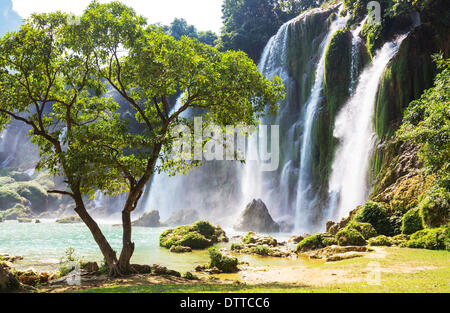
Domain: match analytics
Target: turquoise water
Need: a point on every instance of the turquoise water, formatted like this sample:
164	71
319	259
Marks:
43	245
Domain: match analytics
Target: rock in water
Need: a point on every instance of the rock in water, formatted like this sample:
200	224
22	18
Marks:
150	219
256	218
183	217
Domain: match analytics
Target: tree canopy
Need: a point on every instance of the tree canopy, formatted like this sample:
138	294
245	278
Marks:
54	77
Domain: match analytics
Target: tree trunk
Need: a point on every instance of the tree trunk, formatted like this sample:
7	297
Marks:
127	244
108	253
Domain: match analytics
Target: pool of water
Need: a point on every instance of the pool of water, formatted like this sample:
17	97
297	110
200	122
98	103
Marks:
43	245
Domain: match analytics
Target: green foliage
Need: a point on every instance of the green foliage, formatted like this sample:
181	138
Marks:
316	241
433	239
179	28
235	246
249	24
373	33
366	229
376	215
204	227
350	237
190	276
412	222
223	263
261	250
381	240
427	120
435	207
68	262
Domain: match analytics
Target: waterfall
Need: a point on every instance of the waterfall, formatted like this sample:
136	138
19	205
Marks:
348	185
305	196
356	42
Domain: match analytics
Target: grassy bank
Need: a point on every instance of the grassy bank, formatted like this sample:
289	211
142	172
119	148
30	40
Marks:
400	270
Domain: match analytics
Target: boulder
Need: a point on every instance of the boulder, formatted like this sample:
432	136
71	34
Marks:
150	219
180	249
8	282
253	238
182	217
256	218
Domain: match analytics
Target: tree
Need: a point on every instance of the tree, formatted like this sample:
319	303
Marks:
53	77
427	120
249	24
179	27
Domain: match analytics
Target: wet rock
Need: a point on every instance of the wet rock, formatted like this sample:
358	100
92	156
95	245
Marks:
150	219
10	258
183	217
256	218
297	238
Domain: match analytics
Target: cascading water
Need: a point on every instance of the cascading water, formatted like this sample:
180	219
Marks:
305	196
348	185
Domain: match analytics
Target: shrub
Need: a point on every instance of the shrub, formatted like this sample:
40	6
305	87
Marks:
236	246
376	215
366	229
350	237
223	263
411	222
400	239
18	211
434	208
316	241
69	262
381	240
261	250
190	276
203	227
433	239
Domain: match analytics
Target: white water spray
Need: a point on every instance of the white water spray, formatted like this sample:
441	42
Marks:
348	185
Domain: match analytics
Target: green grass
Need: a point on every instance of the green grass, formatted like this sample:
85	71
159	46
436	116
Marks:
434	276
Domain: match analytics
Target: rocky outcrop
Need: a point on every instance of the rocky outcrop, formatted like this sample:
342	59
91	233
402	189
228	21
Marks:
150	219
182	217
199	235
256	218
253	243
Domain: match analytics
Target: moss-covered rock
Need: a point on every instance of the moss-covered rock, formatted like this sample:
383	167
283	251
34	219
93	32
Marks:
365	229
199	235
223	263
18	211
253	238
412	222
350	237
74	219
180	249
375	214
381	240
433	239
8	198
400	239
316	241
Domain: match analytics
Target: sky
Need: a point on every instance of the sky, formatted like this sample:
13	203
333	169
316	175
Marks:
204	14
